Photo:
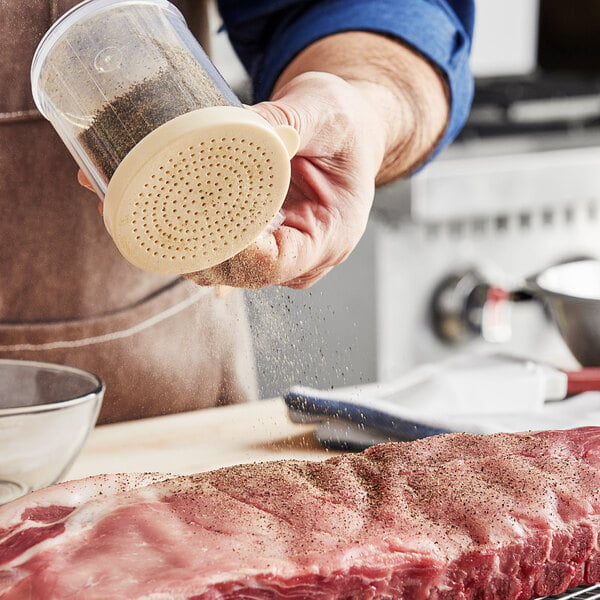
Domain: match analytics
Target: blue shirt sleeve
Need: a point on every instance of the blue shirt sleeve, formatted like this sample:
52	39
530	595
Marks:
267	34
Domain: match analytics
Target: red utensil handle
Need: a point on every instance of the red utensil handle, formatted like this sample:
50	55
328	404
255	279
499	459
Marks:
584	380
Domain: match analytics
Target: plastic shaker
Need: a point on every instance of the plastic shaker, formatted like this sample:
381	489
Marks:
188	176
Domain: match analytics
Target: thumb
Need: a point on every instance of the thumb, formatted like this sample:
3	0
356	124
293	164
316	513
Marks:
284	119
289	107
84	181
306	103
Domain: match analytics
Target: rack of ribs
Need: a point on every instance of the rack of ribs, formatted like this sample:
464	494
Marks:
450	517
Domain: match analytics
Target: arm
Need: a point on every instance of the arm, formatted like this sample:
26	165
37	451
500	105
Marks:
405	91
368	107
269	34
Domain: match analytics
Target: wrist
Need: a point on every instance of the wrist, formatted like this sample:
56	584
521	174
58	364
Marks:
396	118
404	94
415	109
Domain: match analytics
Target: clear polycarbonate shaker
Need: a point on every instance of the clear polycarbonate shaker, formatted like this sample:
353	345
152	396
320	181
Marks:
188	176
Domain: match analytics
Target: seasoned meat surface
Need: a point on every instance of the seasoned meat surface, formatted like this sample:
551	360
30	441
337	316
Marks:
458	516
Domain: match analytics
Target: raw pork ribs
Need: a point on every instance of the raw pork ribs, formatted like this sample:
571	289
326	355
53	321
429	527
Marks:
506	516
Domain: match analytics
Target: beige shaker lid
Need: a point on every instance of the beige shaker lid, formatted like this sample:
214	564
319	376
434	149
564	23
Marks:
199	189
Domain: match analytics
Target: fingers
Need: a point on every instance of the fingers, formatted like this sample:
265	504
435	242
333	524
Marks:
308	279
85	182
285	257
253	268
222	291
289	106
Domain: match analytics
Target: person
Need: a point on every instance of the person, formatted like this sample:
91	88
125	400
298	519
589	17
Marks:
375	89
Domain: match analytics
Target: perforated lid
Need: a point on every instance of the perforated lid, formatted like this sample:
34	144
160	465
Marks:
199	189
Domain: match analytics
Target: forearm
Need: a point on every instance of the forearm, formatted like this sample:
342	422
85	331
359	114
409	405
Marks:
407	93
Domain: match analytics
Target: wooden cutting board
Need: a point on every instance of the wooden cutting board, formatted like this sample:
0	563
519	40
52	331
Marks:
198	441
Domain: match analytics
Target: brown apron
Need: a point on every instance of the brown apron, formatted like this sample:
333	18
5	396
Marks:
66	295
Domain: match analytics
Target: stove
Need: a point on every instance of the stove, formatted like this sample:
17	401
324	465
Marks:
517	192
533	103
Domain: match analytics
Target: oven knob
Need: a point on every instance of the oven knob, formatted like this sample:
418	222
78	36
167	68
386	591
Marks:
465	306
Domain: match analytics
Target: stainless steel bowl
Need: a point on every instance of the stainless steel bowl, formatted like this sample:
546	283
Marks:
571	291
46	413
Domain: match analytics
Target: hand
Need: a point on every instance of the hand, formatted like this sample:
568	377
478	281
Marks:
84	181
332	185
368	109
331	191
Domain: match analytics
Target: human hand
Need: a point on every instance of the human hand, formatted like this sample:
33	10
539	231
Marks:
368	109
84	181
331	191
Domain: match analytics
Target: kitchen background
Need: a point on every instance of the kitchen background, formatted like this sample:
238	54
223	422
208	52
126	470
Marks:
517	192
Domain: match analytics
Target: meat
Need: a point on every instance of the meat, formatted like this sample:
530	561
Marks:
506	516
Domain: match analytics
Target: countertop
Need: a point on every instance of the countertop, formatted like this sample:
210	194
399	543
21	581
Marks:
198	441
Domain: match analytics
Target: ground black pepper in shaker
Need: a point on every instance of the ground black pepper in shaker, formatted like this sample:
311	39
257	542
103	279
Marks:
188	176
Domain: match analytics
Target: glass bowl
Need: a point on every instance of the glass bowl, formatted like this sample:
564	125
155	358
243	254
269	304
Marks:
46	413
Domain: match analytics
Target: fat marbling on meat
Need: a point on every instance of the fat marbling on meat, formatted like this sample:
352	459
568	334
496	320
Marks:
457	516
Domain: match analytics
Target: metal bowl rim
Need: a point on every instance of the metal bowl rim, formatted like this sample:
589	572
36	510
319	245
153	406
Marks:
533	285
